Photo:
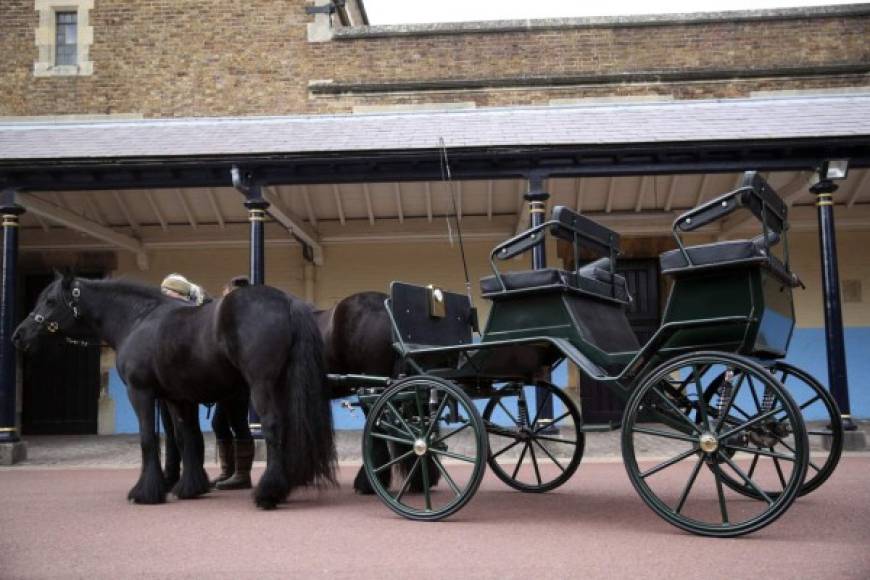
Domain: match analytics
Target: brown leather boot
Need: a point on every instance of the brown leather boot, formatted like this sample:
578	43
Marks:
241	479
226	461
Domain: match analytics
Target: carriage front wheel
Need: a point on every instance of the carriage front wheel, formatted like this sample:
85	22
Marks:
671	431
418	417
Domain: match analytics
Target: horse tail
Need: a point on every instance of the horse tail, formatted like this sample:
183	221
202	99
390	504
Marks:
310	457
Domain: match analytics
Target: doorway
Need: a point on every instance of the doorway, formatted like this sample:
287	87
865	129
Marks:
61	381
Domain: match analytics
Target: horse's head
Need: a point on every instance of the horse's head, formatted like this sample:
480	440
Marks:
56	313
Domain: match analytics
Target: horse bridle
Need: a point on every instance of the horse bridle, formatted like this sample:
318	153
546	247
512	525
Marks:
52	326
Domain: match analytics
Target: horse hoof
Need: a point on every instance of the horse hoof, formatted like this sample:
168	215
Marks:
137	495
266	504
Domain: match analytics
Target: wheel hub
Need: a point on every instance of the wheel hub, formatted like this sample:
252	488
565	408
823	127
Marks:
420	447
708	443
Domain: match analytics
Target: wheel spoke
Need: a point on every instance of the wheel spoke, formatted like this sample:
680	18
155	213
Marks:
427	493
810	402
452	455
668	463
393	461
407	481
451	434
395	429
446	475
741	411
702	404
770	453
554	439
751	422
511	446
535	463
509	414
821	433
790	448
778	470
665	434
436	417
684	496
754	464
419	405
520	462
401	419
550	455
754	394
551	423
745	477
722	508
676	409
391	438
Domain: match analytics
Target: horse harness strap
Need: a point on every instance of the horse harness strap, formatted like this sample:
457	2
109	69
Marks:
52	326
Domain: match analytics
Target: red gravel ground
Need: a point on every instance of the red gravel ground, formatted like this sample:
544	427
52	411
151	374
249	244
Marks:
76	523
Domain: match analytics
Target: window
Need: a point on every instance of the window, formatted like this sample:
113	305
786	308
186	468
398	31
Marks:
66	35
64	38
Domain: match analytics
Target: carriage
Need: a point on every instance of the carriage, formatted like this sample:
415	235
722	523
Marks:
713	433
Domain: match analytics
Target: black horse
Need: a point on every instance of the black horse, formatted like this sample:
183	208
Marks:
358	339
256	338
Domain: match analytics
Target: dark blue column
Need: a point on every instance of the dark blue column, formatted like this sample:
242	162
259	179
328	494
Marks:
537	198
9	211
257	216
835	343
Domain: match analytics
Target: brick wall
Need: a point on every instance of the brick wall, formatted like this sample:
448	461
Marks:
164	58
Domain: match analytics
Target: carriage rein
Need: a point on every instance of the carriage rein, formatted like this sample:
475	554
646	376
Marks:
52	326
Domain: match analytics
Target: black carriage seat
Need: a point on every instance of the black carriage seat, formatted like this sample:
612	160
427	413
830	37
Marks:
593	278
728	254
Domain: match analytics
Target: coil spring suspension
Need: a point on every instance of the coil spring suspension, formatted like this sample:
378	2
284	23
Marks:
767	400
725	392
523	408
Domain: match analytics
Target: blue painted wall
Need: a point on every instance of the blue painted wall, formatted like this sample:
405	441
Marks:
807	351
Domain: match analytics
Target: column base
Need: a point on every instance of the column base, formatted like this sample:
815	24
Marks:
854	440
12	453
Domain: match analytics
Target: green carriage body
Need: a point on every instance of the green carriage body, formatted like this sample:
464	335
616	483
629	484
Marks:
730	305
751	291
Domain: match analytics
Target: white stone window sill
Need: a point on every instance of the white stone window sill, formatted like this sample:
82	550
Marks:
43	70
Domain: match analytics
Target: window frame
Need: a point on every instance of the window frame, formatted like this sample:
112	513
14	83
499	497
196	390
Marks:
46	38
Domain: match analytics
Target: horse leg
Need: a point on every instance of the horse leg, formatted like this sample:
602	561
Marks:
380	456
172	463
149	488
274	486
194	480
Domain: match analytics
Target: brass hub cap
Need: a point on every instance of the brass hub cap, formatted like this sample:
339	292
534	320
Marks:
420	447
708	443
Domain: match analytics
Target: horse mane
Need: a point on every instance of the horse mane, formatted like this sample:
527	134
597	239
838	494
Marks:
129	287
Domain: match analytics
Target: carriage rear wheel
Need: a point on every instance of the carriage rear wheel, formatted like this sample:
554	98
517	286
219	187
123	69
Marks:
419	416
825	435
527	451
671	430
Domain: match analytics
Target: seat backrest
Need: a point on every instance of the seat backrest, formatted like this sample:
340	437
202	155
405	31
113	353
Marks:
421	319
592	234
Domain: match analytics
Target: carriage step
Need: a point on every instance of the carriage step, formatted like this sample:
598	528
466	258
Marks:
600	428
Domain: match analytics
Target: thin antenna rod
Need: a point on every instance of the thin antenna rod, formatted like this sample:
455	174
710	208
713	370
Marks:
446	176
